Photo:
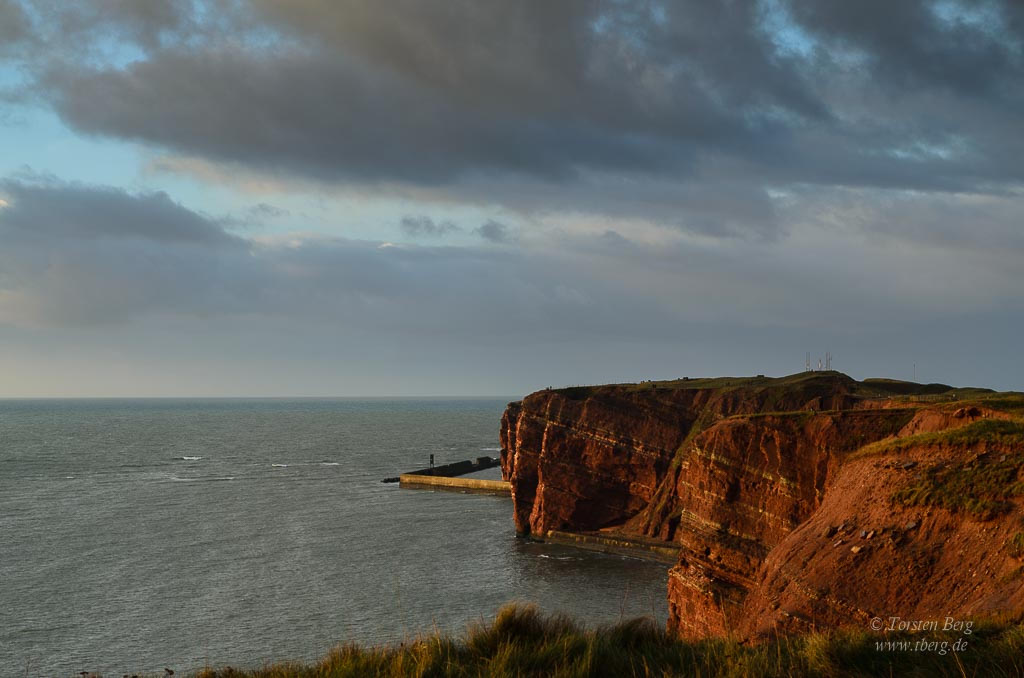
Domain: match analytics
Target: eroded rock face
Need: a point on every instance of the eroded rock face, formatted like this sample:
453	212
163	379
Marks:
582	463
747	479
862	555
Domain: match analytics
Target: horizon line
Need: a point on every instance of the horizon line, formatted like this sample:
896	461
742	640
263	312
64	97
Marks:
254	397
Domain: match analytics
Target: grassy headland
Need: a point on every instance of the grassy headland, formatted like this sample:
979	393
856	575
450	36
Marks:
522	642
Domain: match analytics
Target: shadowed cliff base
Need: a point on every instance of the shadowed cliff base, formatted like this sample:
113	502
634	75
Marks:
798	503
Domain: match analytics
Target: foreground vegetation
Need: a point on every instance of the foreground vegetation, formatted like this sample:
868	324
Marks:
522	642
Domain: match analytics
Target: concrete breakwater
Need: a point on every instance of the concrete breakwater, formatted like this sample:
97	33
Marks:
474	485
446	477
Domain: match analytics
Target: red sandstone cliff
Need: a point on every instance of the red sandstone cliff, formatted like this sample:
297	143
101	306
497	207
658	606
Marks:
785	514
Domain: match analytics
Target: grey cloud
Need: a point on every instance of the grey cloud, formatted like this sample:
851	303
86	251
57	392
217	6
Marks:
425	226
542	299
616	64
86	255
679	95
364	126
13	24
409	115
264	210
971	47
724	204
253	217
968	223
46	207
83	25
859	184
615	240
494	231
564	289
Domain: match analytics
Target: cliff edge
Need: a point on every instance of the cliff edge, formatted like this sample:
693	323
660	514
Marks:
801	502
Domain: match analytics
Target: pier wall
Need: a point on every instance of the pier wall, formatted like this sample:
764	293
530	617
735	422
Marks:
477	485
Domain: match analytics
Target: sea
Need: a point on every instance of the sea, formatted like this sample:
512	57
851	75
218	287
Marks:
143	534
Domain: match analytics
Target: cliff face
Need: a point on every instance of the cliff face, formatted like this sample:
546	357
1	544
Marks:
754	480
583	463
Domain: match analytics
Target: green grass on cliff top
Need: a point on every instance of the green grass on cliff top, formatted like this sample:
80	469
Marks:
521	642
824	383
867	388
982	485
993	431
973	481
798	379
760	382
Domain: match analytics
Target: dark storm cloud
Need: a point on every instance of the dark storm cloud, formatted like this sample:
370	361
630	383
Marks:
476	95
321	116
970	47
618	64
425	226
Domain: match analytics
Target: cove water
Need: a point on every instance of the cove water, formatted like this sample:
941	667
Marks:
142	534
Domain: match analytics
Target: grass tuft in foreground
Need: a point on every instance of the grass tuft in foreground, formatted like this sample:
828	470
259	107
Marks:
522	642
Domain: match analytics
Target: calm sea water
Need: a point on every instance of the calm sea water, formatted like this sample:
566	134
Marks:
139	534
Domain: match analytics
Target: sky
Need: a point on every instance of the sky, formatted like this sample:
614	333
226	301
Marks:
483	197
